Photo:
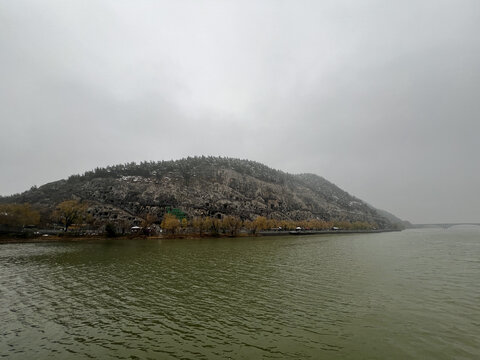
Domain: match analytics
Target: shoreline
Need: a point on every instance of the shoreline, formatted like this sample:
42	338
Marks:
321	232
50	239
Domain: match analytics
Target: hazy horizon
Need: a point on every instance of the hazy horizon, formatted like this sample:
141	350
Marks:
378	98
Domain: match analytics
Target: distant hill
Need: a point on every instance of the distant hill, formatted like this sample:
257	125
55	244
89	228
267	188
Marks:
394	219
208	186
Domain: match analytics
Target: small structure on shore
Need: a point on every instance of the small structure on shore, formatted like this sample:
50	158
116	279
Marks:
135	229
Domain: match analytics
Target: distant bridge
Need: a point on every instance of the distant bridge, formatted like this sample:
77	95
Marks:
444	225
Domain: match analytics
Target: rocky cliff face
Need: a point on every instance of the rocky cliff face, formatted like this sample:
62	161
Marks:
203	186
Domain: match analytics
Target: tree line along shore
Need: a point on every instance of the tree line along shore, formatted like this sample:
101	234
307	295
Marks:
71	219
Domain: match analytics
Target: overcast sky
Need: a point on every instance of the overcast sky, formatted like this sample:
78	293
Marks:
380	97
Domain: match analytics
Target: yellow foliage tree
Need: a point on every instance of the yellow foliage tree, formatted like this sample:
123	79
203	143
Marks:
197	224
259	224
18	215
272	224
170	223
343	224
215	227
207	223
69	212
232	224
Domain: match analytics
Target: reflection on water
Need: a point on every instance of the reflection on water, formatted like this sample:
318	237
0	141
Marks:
412	294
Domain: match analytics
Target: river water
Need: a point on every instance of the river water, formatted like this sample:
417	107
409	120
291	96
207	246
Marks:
403	295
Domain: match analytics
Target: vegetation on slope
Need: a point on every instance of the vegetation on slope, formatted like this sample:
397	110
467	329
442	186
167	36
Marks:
200	187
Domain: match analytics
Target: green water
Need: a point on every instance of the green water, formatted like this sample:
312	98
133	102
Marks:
405	295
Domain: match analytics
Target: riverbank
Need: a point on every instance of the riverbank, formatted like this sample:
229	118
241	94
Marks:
319	232
46	239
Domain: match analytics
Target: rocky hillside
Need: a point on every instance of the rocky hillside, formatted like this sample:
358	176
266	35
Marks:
209	186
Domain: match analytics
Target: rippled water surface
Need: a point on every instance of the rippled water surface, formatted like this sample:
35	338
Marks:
411	294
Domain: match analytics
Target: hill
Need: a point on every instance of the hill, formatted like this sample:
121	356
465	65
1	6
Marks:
203	186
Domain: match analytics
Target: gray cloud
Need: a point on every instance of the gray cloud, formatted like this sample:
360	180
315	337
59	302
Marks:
379	97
